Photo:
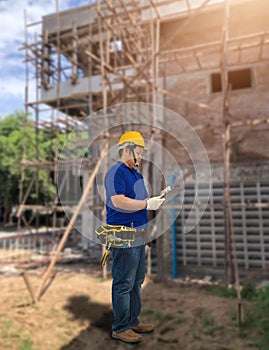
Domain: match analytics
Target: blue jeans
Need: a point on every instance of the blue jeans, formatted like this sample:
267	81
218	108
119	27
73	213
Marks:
128	273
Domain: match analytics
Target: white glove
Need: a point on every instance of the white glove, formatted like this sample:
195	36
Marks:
154	203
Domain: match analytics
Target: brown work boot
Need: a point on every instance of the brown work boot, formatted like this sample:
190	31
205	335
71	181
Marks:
143	328
127	336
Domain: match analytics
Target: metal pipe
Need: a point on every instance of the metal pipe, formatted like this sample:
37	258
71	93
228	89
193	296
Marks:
173	235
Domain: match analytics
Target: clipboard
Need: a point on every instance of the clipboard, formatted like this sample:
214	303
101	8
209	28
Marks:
171	193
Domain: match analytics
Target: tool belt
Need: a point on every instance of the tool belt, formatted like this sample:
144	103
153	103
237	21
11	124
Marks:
116	236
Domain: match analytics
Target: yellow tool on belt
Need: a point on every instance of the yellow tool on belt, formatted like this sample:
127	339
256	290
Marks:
115	236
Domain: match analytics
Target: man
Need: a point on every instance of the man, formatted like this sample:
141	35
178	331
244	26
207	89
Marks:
127	204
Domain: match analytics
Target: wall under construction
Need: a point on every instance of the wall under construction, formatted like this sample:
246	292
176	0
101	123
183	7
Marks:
206	60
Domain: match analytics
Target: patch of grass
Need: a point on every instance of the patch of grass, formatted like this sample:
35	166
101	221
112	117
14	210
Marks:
248	291
234	320
102	279
55	312
14	335
27	344
208	324
222	291
148	312
5	325
161	318
257	318
179	320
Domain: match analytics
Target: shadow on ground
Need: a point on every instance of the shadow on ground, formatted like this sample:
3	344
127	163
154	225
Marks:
99	318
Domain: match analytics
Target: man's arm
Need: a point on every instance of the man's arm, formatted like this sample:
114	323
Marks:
122	202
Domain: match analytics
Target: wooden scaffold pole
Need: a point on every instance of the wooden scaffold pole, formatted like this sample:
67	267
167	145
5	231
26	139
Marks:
230	247
104	97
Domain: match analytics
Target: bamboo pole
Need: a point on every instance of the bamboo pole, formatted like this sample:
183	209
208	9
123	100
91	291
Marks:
74	76
22	178
226	135
58	104
250	122
29	286
71	223
104	98
231	256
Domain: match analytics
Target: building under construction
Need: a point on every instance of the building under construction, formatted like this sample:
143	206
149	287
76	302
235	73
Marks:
204	60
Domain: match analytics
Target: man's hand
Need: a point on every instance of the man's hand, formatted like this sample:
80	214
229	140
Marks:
154	203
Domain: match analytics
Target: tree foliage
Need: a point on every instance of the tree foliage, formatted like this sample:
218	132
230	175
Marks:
21	141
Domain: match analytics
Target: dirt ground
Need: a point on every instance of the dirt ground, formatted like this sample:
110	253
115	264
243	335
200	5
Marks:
75	314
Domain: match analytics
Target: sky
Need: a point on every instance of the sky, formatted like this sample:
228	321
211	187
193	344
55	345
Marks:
12	32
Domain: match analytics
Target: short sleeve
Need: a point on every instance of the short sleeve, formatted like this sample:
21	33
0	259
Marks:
114	182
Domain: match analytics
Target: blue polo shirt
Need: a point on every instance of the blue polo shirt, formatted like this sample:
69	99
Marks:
120	179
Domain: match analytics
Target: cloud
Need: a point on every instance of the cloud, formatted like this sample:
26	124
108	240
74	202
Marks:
12	38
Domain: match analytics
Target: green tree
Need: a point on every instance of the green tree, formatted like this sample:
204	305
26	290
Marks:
20	140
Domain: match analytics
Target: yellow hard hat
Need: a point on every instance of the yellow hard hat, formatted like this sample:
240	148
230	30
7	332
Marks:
132	137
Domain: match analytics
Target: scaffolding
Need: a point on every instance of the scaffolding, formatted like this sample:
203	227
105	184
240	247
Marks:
111	52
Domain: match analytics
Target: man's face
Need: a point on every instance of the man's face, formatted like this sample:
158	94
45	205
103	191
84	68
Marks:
129	158
138	151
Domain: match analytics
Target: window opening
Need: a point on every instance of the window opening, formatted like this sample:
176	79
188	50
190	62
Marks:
238	79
